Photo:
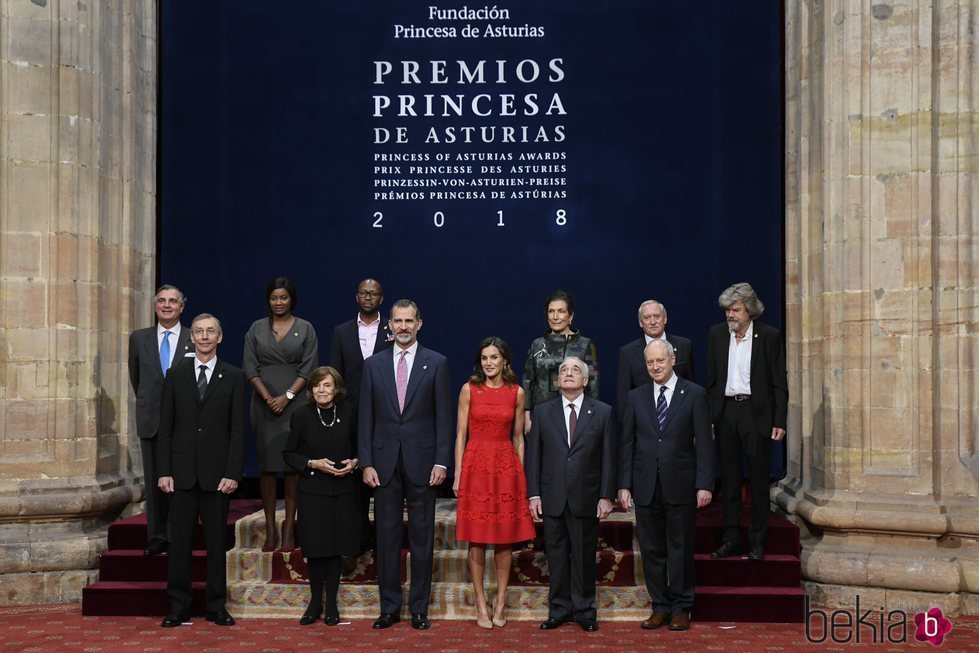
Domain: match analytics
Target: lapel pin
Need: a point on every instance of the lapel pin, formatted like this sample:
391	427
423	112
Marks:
424	367
296	334
682	391
220	376
589	412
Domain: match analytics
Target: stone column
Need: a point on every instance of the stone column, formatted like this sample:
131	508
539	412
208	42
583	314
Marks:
882	204
77	266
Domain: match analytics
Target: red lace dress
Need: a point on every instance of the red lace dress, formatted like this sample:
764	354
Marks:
492	505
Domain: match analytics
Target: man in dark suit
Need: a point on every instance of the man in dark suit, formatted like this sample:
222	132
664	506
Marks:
632	357
748	391
152	352
202	456
353	343
571	481
667	470
405	445
360	338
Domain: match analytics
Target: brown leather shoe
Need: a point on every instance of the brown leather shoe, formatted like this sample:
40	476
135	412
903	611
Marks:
656	620
680	621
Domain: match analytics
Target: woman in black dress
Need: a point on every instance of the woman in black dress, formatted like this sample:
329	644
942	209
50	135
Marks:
322	447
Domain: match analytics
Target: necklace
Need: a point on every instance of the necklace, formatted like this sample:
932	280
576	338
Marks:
323	422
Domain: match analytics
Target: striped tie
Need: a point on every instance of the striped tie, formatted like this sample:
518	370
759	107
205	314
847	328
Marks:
661	406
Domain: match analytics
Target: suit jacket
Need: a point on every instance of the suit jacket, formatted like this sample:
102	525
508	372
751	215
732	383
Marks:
423	433
308	440
202	440
146	375
577	476
346	357
769	382
680	455
632	366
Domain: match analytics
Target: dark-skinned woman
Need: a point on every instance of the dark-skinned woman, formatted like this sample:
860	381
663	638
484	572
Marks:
280	353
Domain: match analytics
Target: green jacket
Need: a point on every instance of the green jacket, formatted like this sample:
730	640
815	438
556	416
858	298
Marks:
545	357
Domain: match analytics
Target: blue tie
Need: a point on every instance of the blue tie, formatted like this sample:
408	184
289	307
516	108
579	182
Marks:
661	406
165	352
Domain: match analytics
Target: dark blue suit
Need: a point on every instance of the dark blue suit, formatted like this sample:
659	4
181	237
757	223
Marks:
403	448
664	468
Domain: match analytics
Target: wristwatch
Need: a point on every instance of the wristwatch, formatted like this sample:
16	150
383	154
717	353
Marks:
290	395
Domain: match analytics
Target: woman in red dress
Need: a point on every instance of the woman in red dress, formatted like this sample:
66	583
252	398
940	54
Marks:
490	482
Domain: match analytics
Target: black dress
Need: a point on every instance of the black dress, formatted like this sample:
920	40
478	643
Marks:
329	516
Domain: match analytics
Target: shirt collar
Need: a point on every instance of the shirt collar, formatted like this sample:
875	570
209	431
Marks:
360	322
411	350
160	329
670	383
209	364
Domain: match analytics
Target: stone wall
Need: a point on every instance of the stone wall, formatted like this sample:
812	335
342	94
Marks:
881	215
77	265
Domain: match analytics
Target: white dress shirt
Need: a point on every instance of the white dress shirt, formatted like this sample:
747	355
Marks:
739	364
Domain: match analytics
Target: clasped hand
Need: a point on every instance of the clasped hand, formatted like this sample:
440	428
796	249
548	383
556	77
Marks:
327	466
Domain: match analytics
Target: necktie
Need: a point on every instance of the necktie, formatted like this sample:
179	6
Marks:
402	380
661	406
165	352
202	381
572	423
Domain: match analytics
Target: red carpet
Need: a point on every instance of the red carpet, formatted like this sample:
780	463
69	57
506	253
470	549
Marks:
63	628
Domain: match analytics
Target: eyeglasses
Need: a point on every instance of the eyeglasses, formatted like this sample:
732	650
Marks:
368	293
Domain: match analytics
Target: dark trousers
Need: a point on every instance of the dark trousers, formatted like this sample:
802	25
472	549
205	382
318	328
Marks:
571	545
157	501
324	572
389	503
737	436
666	533
185	507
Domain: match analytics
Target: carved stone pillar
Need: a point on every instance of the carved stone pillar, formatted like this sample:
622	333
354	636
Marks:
77	251
882	203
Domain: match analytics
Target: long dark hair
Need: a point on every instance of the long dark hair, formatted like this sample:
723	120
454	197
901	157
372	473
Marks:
479	377
285	284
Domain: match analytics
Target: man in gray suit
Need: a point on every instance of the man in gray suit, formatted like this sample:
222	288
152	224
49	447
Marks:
571	481
152	351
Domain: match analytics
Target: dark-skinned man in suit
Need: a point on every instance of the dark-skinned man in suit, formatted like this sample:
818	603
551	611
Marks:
667	471
571	482
404	442
152	352
748	391
632	357
354	342
202	456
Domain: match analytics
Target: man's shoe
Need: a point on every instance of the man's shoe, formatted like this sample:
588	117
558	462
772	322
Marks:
757	553
221	618
173	620
656	620
588	625
680	621
726	550
420	621
155	548
332	620
386	620
551	623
